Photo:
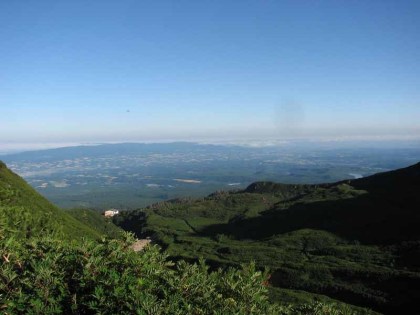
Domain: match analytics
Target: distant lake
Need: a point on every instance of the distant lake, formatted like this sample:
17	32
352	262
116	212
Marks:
355	175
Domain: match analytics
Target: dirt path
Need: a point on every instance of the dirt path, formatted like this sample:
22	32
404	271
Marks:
140	244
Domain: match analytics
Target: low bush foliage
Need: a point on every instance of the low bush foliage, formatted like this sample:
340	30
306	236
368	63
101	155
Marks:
50	276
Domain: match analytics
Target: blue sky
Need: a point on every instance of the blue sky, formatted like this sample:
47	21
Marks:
85	71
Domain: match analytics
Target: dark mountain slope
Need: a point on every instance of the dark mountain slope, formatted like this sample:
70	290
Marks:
408	177
379	209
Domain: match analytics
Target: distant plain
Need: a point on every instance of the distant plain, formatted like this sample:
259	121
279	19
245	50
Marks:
134	175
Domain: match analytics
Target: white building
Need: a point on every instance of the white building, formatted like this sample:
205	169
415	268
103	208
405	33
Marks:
111	212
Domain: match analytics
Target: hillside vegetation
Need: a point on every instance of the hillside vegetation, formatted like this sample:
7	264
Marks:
24	213
48	276
52	263
97	221
356	241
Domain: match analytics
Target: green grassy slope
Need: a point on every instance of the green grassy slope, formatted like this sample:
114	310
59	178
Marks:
96	221
24	213
356	241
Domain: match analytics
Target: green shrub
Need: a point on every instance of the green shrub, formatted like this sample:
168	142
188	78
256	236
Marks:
50	276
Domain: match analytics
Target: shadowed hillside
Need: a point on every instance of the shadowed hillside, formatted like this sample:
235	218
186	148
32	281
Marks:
355	240
380	209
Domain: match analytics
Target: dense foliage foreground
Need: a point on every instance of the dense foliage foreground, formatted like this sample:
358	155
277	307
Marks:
48	276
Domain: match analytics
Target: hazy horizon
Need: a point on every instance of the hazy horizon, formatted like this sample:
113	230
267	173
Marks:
7	148
129	71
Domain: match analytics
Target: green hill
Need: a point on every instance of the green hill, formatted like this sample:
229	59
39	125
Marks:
96	221
356	241
24	213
